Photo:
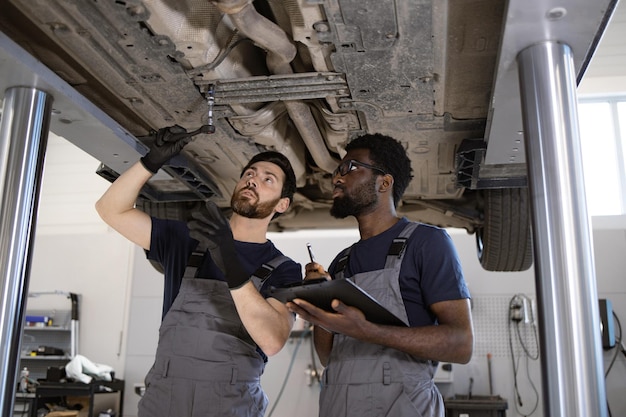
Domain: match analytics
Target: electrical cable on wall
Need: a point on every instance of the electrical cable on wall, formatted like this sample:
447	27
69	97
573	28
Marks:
304	333
619	347
314	372
618	342
520	313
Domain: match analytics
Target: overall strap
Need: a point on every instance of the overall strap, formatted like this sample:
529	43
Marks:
342	262
263	273
394	254
193	263
398	246
258	277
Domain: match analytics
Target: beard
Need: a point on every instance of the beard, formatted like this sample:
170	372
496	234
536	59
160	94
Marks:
355	204
252	210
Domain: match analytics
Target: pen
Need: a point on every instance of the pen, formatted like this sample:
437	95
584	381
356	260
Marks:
308	246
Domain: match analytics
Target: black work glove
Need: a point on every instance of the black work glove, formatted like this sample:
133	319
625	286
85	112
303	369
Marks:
168	143
212	230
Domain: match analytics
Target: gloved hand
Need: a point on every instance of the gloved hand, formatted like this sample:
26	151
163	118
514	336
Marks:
212	230
169	142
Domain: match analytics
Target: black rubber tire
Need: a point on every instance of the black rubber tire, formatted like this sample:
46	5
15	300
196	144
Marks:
505	241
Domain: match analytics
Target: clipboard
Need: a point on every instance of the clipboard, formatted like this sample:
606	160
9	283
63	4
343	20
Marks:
322	293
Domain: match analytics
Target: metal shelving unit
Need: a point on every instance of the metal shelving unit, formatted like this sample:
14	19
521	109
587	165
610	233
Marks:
61	334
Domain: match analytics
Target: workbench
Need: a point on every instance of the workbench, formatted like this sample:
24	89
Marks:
47	390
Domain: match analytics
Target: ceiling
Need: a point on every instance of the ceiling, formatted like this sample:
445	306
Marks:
610	57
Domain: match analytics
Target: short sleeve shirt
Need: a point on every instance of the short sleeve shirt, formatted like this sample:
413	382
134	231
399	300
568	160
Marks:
171	246
430	272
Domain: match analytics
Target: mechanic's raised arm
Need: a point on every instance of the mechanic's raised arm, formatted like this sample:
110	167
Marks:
117	205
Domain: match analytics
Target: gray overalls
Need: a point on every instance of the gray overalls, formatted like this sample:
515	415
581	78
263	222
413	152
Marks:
366	380
206	362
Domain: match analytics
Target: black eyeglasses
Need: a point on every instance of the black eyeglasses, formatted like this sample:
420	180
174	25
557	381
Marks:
350	165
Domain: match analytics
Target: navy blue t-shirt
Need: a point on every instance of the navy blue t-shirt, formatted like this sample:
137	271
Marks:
171	246
430	271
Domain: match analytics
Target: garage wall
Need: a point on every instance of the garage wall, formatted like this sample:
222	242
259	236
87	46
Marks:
74	251
121	296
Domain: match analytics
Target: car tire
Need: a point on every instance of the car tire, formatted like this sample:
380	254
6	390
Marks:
504	243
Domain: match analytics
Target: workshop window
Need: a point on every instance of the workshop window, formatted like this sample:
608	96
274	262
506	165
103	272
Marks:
603	140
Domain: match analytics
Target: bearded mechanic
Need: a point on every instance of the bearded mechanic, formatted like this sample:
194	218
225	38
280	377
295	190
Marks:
218	327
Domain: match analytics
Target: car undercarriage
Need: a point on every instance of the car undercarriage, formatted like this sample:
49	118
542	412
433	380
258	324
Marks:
302	77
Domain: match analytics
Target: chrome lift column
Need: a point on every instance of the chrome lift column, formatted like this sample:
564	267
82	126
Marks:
572	368
23	138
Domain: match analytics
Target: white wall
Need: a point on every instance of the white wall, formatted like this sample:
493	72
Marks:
491	294
121	294
75	252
